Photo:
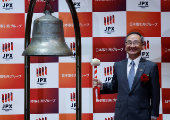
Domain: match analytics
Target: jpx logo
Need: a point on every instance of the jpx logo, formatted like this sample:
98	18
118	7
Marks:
6	100
42	118
111	118
76	4
73	100
143	4
108	22
7	4
145	54
108	71
73	49
7	49
41	73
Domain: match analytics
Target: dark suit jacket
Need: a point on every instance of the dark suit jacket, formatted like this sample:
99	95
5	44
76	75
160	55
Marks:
142	101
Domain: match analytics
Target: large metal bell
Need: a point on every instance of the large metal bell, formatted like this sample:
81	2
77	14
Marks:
47	38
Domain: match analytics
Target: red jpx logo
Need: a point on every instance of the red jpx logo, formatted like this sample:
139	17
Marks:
41	72
145	54
7	47
72	97
146	45
7	97
111	118
73	48
6	100
42	118
108	72
109	20
73	100
7	6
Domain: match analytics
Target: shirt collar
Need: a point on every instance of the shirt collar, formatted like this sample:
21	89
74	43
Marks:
136	61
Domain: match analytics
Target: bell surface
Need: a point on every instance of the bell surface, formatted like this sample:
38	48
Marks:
47	38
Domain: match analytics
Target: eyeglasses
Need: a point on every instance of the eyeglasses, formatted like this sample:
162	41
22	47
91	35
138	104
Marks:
136	42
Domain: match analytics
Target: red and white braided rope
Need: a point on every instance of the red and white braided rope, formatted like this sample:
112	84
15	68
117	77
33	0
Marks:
95	71
97	89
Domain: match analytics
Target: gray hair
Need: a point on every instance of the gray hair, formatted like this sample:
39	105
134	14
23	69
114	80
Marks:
142	39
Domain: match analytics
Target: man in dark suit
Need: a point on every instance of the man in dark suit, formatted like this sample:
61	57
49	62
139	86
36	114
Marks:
136	81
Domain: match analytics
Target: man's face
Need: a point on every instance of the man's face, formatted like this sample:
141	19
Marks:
133	45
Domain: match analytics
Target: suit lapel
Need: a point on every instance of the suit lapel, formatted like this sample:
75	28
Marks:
139	72
124	74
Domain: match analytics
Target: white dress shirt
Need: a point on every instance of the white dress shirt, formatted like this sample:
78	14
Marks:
136	61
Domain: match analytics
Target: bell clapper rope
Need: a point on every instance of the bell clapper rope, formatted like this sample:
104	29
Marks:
48	3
